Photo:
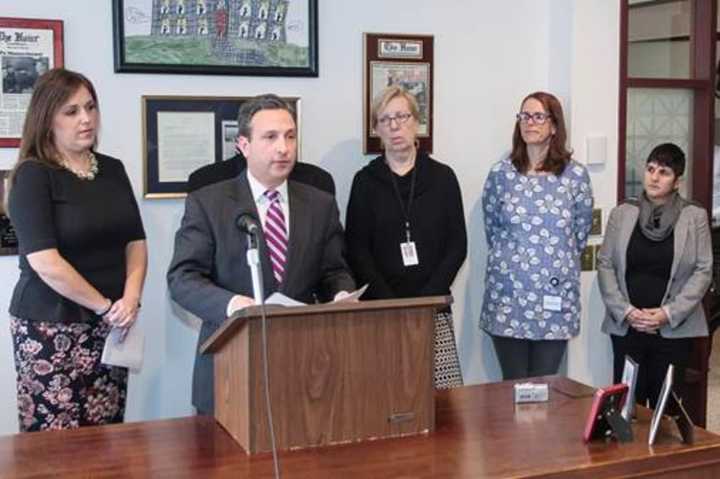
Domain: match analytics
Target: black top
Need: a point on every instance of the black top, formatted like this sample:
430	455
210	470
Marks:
648	269
89	222
304	173
376	226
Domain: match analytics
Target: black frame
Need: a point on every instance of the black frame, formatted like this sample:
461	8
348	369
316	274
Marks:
224	108
123	66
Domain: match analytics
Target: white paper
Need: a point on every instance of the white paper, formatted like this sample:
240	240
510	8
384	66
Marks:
128	353
186	141
282	300
354	296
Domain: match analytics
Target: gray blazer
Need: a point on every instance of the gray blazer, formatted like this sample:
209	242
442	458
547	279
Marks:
209	264
690	275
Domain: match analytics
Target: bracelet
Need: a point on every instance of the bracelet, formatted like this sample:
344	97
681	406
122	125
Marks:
105	310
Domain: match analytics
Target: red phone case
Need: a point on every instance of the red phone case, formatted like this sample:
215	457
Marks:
602	399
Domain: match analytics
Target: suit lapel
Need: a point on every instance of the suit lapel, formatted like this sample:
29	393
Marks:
681	233
299	227
626	230
240	193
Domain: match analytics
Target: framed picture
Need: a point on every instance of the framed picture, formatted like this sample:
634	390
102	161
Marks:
405	60
182	133
8	239
219	37
629	378
28	48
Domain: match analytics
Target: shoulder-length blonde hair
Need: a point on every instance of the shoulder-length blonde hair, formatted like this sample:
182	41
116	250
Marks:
558	155
51	92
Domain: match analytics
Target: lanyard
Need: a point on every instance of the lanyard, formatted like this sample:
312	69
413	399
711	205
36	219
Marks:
406	213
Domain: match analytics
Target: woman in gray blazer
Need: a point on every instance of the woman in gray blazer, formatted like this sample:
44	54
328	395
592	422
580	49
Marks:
654	268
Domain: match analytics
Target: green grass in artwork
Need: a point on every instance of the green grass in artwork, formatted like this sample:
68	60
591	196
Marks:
199	51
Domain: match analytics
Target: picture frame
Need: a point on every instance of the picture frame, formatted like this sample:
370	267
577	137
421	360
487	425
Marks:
629	378
216	37
407	60
661	405
28	48
602	420
8	239
183	133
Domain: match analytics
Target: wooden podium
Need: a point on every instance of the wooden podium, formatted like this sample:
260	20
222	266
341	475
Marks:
339	372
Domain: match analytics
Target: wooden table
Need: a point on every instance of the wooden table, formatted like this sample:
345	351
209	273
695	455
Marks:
480	433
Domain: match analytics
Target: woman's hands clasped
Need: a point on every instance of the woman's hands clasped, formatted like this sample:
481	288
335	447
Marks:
647	320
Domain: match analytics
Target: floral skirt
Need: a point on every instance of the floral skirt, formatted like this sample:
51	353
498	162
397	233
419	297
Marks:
447	363
61	383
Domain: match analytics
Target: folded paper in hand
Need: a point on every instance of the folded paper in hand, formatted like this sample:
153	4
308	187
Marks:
128	353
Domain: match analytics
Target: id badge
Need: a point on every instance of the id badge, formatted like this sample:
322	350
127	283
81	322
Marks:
409	254
552	303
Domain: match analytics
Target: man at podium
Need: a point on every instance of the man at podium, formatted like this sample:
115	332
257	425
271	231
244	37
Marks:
300	236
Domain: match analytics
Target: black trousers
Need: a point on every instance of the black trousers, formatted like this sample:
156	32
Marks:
654	354
527	358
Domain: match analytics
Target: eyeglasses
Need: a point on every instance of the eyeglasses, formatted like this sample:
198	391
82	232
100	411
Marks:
538	117
399	118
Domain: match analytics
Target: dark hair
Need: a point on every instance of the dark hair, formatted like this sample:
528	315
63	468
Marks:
52	90
558	155
256	104
669	155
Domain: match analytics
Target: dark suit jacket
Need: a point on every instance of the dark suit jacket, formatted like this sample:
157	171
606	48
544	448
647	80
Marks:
209	264
303	172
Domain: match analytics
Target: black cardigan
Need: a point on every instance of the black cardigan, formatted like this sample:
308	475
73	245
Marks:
375	228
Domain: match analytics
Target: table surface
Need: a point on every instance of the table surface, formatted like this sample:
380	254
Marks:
480	433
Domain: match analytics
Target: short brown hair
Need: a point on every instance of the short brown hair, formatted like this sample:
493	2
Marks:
50	93
254	105
558	155
389	94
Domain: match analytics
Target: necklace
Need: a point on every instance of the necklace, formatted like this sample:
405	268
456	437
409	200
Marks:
91	172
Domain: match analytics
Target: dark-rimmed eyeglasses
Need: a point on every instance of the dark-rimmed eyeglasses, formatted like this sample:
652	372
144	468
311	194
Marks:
399	118
538	117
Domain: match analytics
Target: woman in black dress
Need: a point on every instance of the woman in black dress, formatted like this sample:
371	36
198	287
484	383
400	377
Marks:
82	260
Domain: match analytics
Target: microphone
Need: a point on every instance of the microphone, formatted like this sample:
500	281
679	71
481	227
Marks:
248	224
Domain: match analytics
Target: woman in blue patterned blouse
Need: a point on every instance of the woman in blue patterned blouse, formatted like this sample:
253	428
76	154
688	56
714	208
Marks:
538	209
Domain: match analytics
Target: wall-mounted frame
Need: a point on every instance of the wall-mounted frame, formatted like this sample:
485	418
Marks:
183	133
219	37
8	239
28	48
397	59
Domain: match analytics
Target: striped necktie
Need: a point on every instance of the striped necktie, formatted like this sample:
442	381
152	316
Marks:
276	235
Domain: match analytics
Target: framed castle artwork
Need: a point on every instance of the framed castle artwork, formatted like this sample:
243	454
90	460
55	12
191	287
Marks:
216	37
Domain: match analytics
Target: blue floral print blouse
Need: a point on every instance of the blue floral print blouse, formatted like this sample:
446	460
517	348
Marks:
536	228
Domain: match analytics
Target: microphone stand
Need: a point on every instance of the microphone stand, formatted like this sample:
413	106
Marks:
253	260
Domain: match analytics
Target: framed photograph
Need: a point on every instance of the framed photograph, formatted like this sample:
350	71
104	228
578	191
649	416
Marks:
629	378
217	37
183	133
405	60
28	48
8	239
607	403
661	404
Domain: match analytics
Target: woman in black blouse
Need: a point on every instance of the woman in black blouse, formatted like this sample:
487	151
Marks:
405	225
654	267
82	259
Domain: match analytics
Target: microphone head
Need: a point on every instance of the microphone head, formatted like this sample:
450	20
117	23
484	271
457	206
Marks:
247	223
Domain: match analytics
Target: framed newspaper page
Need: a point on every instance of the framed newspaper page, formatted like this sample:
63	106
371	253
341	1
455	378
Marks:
405	60
28	48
